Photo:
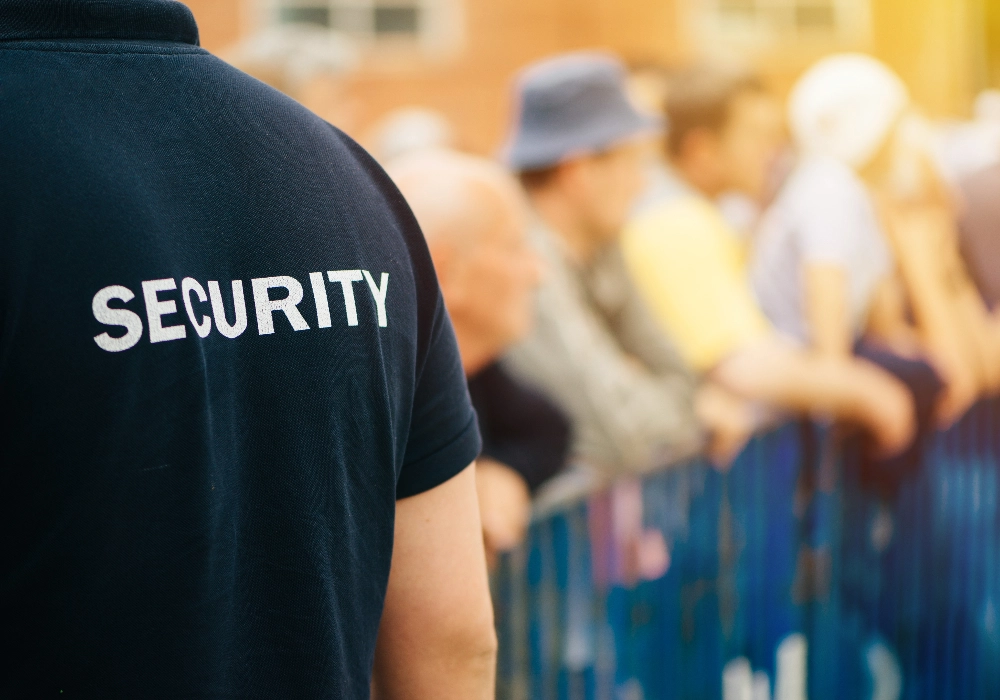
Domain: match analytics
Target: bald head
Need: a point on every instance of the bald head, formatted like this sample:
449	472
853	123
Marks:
457	199
473	216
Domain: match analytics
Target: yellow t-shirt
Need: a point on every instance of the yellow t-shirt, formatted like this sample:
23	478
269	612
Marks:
690	268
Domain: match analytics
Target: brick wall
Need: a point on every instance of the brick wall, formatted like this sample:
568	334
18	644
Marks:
473	87
927	41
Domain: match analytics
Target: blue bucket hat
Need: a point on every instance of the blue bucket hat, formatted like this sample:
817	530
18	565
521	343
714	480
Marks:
571	105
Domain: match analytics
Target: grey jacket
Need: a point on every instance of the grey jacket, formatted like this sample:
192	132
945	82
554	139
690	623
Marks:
597	352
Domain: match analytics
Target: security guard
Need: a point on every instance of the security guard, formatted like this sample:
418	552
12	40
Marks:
228	383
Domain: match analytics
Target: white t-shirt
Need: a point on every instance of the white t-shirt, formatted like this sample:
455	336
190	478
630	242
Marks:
823	215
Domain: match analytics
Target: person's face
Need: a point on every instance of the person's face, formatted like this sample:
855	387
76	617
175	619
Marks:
606	186
750	143
497	275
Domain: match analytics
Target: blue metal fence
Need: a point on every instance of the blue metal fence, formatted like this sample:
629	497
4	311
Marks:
780	578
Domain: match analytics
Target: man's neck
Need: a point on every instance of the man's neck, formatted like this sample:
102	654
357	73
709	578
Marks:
560	216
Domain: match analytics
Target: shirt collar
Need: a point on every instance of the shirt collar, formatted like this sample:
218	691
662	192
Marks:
135	20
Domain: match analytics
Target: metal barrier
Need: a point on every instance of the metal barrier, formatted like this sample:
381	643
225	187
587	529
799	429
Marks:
780	578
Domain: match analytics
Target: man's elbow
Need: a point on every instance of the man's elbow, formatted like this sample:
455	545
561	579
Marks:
475	645
443	661
470	661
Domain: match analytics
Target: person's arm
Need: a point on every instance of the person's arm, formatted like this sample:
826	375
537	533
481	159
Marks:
505	506
978	326
782	374
853	388
826	309
887	321
919	237
733	420
993	339
436	639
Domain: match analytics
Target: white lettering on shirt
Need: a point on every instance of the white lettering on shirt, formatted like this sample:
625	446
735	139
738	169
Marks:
188	285
116	317
322	302
347	279
288	305
379	295
219	311
156	309
193	293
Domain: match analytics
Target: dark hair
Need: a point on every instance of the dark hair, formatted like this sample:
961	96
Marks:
701	98
536	179
540	177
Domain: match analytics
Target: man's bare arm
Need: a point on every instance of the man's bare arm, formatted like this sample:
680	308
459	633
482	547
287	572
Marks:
781	374
887	321
826	309
437	640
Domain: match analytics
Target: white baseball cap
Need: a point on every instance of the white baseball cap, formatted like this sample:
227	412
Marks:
845	107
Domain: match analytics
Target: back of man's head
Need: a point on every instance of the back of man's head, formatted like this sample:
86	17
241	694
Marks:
408	130
453	195
472	214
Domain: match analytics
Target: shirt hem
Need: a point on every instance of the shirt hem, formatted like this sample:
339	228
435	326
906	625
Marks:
440	466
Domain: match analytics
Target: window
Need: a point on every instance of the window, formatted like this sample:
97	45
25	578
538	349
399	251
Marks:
417	20
769	20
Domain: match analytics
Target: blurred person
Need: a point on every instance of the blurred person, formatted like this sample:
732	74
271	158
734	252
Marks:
935	229
409	130
576	144
690	264
979	232
825	258
290	56
962	148
308	63
237	440
863	236
474	218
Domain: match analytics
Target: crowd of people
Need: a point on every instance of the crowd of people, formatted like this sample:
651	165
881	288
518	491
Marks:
662	262
289	503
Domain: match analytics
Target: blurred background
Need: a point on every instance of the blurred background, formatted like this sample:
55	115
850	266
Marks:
697	525
458	56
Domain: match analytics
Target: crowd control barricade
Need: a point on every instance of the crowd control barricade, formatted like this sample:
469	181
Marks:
781	578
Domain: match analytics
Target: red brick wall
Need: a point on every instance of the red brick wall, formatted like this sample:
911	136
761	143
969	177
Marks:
472	88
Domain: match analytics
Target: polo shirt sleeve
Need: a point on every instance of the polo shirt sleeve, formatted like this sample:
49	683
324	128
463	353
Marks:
691	272
444	434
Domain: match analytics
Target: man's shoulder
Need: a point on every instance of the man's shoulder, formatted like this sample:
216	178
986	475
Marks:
132	81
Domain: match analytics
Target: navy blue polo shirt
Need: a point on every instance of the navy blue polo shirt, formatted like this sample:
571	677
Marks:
223	358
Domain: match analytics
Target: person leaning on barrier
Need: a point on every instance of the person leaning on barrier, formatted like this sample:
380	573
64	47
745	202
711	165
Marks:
474	218
875	231
576	144
979	244
825	268
236	437
691	265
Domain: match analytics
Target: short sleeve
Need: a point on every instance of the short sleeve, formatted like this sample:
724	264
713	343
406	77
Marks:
444	434
832	213
691	273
